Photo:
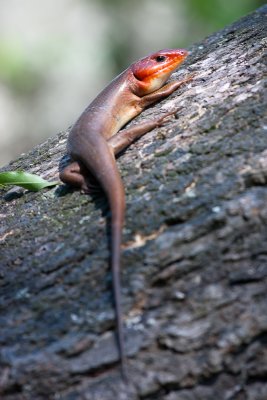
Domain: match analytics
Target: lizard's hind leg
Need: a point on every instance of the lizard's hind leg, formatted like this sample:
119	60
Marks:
75	174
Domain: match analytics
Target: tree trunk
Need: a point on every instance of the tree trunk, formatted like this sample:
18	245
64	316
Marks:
194	258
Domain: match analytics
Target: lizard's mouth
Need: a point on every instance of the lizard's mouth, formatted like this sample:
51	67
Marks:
153	71
171	65
160	76
158	64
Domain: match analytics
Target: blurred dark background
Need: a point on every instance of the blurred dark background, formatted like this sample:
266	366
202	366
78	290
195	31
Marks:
56	55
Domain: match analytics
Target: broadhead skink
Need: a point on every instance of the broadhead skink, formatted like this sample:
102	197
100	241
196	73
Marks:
95	139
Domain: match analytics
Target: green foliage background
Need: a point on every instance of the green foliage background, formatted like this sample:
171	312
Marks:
24	75
55	56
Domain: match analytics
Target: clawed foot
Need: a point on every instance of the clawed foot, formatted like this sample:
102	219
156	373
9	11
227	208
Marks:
190	77
90	185
161	121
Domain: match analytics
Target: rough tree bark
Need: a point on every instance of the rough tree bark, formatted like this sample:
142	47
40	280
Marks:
194	260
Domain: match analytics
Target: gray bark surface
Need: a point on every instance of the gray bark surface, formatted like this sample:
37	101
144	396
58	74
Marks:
194	258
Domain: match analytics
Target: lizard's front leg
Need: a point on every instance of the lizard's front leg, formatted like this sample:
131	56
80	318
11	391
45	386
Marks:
163	92
125	137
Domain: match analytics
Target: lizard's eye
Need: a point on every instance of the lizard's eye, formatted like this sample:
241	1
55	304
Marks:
160	58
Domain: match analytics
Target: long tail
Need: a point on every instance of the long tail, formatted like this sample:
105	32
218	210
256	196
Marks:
115	266
104	167
117	205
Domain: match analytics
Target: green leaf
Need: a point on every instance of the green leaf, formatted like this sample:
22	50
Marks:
24	179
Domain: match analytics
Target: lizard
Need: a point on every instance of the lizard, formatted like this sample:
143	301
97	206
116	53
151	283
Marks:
96	139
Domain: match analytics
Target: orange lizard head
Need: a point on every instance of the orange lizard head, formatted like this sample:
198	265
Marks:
154	70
